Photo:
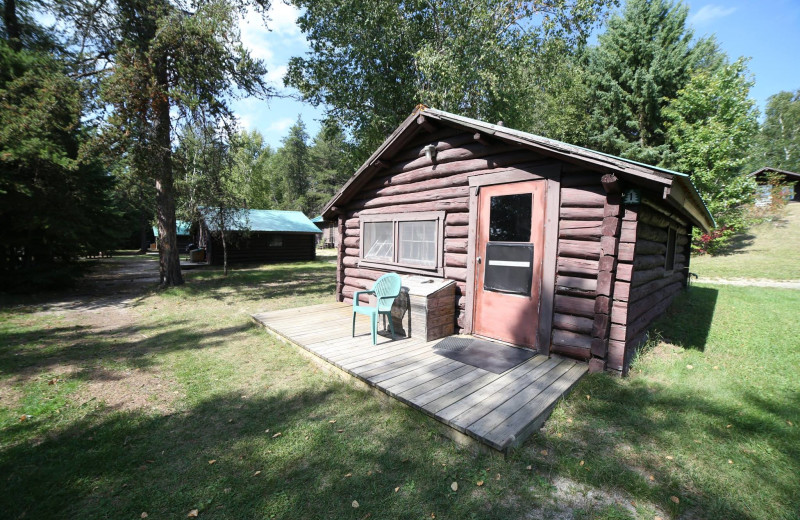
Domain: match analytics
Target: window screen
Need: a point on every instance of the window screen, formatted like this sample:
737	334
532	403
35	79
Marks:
276	241
418	242
510	218
379	241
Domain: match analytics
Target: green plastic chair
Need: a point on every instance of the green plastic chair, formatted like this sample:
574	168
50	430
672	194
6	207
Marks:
385	289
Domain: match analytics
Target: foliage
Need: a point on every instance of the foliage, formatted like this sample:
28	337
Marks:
250	163
54	193
372	62
331	165
643	59
779	141
710	125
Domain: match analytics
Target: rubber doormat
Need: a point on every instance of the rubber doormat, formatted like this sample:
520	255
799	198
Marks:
487	355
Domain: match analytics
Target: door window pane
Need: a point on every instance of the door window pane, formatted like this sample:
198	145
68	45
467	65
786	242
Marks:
378	241
510	218
418	242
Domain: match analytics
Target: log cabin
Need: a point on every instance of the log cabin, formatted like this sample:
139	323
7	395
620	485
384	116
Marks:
263	236
791	190
183	235
551	246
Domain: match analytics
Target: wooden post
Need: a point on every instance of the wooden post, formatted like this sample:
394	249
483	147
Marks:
606	276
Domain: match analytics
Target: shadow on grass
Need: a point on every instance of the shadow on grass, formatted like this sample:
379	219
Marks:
135	345
126	463
641	415
688	320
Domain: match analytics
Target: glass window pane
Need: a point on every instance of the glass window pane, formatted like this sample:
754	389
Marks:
379	241
418	243
510	218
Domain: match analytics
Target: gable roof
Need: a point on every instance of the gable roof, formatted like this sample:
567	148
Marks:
272	220
676	188
766	169
182	228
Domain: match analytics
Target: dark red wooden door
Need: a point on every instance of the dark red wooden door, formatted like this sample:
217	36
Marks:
508	261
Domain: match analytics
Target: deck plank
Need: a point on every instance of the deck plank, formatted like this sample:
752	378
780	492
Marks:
499	410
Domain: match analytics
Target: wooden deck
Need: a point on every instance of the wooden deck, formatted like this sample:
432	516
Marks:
499	410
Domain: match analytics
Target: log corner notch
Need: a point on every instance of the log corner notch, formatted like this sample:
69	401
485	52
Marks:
609	242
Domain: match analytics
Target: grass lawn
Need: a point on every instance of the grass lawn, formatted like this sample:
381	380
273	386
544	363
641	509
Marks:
769	250
169	401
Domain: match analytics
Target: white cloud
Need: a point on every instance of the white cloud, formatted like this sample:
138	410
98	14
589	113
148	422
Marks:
276	74
280	125
710	12
283	19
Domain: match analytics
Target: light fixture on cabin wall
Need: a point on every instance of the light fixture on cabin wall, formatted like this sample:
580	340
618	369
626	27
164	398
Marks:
430	152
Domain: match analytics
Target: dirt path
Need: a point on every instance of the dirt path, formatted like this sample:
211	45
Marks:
752	282
96	328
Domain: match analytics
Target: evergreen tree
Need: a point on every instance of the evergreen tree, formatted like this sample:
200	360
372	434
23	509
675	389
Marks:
250	158
292	168
330	165
643	59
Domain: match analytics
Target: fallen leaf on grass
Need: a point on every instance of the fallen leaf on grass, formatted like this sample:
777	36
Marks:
340	431
588	396
348	475
144	514
730	461
497	477
212	461
257	473
569	421
789	423
657	518
479	483
652	478
332	421
715	367
544	453
397	489
729	426
669	457
230	421
689	367
355	504
366	516
675	499
433	515
266	431
582	463
52	381
193	513
529	468
454	486
277	435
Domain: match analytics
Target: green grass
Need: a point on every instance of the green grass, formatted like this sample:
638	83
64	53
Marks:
769	250
217	387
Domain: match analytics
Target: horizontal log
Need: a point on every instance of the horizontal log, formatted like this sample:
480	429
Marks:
641	306
350	261
583	197
448	169
643	276
464	152
367	274
641	324
455	273
579	249
456	219
572	339
682	239
456	231
576	282
648	247
441	144
455	245
571	351
452	205
577	266
351	223
422	196
352	251
569	213
574	305
636	293
441	134
593	231
644	262
351	241
352	232
648	232
572	323
408	189
360	283
455	259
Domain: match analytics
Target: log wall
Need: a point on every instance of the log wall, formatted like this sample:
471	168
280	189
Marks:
644	289
255	248
578	262
412	183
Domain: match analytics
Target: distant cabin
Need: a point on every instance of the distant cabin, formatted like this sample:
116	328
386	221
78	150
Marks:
262	236
328	229
764	195
183	234
553	247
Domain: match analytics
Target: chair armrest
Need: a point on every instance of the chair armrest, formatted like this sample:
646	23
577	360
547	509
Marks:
357	294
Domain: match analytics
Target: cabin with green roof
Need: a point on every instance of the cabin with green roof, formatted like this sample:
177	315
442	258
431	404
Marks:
183	234
262	236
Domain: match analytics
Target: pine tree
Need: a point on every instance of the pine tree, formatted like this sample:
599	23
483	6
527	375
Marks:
641	62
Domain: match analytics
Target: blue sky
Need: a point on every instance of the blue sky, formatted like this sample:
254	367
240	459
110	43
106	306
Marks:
767	31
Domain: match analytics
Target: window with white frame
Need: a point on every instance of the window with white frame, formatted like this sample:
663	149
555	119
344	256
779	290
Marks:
411	242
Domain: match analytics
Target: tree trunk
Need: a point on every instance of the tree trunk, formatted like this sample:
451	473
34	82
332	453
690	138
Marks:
12	25
169	259
224	252
144	244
